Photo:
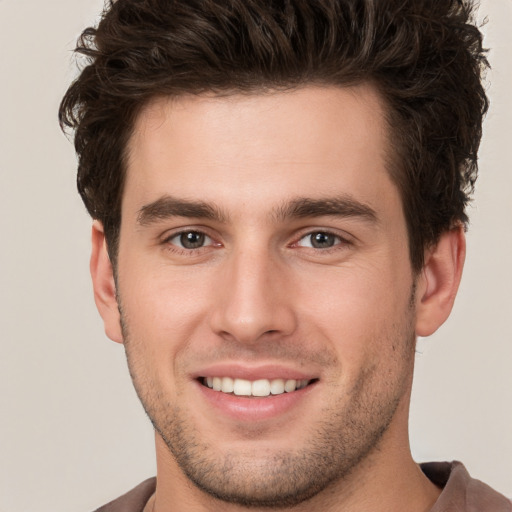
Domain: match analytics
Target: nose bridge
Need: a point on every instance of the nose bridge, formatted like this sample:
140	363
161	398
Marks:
253	300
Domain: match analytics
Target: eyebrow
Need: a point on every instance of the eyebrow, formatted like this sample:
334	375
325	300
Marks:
302	207
339	206
167	207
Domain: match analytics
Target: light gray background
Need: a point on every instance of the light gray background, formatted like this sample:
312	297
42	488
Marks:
72	434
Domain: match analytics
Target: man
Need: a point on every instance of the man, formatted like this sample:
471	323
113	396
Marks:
278	192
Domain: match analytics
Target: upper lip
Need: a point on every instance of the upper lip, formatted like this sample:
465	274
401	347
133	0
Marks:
243	371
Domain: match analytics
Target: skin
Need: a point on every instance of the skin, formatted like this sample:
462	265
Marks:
257	294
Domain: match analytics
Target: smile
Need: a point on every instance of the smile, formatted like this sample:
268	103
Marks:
259	388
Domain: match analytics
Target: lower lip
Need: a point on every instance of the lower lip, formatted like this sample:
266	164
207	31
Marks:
252	409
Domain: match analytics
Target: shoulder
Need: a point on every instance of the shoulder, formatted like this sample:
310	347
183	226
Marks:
134	500
461	493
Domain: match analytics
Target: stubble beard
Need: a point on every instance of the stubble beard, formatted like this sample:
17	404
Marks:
337	445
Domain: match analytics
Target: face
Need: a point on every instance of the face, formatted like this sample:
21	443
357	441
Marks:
265	289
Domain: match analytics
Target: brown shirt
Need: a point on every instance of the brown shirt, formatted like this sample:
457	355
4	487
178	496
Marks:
461	493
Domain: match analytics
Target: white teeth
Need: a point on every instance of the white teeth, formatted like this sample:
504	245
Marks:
302	383
227	385
277	386
260	387
217	383
242	387
289	385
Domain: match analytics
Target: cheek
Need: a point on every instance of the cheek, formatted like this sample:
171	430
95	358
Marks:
163	309
362	312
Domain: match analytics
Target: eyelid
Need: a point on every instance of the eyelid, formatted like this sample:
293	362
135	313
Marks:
343	237
337	241
172	232
167	236
208	239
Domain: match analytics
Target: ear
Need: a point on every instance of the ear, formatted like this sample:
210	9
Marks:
439	281
104	285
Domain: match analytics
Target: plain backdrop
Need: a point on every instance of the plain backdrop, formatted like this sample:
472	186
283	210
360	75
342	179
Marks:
72	433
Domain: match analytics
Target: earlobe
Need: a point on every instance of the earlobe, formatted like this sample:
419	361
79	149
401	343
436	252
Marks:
104	284
439	281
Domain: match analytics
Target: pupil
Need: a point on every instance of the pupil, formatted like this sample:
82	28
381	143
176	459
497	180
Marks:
322	240
192	240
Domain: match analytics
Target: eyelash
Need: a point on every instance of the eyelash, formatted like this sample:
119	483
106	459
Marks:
175	248
339	240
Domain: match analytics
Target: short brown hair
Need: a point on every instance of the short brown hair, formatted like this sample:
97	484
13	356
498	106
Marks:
424	57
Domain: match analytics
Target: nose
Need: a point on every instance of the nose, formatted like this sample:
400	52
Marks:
255	299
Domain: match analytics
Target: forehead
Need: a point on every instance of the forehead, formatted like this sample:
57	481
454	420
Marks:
258	149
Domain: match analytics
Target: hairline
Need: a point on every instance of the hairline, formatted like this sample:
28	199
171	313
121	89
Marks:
393	161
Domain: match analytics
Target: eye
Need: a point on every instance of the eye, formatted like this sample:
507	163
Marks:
190	240
320	240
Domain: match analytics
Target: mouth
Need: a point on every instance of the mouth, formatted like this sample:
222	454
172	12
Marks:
251	395
254	388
